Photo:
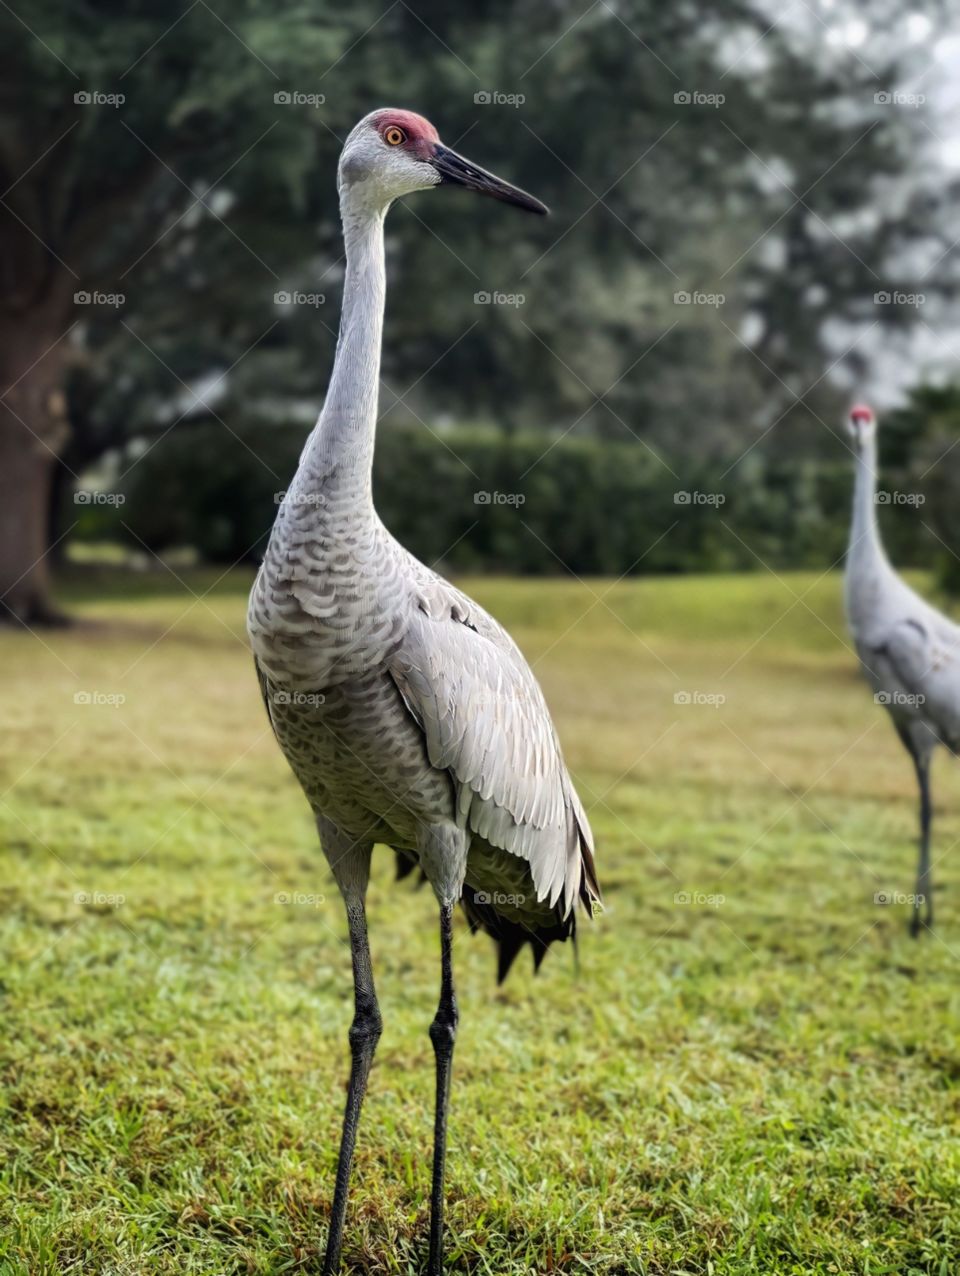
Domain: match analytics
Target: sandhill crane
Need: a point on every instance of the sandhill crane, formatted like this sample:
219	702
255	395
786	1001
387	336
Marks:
909	652
408	715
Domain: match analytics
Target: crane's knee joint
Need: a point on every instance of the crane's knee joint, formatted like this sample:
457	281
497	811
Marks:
443	1030
366	1027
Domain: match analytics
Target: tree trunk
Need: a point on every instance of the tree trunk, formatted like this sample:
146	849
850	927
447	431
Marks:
33	430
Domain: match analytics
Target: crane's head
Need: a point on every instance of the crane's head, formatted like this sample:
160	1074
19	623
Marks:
392	153
861	423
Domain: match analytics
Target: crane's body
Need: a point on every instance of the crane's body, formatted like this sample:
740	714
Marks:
406	712
909	651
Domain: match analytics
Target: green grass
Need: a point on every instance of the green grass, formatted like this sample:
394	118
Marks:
764	1083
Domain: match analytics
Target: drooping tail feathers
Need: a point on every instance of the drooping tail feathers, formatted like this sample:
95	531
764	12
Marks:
512	936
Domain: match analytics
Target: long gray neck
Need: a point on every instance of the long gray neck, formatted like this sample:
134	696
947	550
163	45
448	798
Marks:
339	452
865	547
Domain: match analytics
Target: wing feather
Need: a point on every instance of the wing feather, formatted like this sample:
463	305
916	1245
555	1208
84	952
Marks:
925	658
485	720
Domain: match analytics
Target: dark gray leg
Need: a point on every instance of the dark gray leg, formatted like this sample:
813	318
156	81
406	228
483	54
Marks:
924	888
443	1032
364	1035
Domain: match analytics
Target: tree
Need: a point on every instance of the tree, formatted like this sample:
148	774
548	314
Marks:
198	198
119	127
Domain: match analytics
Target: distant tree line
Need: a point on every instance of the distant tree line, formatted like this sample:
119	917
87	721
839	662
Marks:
723	189
479	500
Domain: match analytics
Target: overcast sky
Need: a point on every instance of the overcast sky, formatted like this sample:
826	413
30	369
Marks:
932	89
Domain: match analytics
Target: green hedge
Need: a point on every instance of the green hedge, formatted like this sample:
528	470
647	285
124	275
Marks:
556	504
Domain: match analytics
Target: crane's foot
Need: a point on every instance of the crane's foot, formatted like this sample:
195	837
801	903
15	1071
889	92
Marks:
919	924
922	918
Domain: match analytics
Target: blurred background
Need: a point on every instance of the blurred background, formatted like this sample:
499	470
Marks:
622	429
753	219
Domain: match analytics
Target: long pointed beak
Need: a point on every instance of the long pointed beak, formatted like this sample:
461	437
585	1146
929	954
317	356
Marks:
455	170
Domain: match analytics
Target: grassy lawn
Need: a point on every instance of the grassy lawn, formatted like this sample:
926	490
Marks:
755	1070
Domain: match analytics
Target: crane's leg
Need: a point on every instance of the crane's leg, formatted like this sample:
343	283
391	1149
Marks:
443	1032
924	889
350	863
442	850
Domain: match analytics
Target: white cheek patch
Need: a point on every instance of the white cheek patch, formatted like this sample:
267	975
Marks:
402	173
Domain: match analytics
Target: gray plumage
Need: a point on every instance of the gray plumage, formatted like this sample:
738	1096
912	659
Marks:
406	712
909	651
400	704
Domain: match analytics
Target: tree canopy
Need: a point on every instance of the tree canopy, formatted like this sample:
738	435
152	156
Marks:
724	188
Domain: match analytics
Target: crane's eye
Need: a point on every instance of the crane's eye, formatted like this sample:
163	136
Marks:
394	136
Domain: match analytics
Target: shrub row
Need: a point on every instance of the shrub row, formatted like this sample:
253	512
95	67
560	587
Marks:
477	500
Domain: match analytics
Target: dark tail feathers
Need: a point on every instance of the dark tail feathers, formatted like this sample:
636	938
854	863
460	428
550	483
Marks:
512	936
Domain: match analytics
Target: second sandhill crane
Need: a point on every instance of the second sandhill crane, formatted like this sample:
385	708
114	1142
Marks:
909	651
408	715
